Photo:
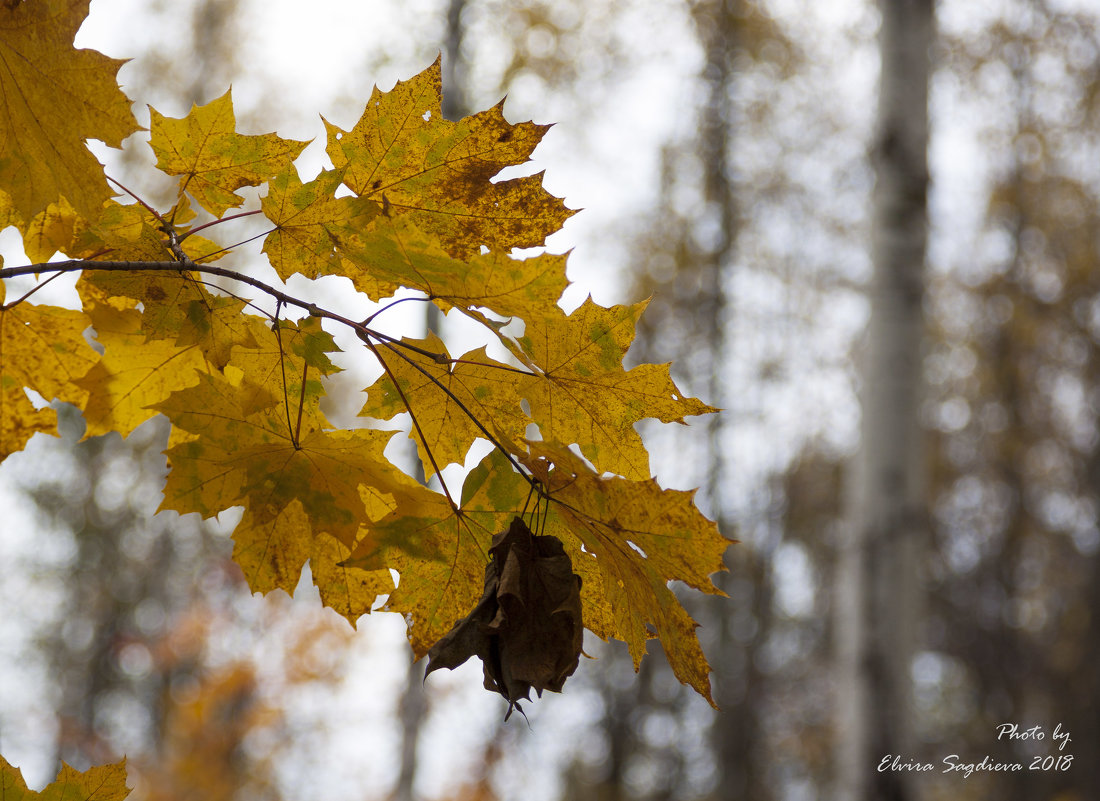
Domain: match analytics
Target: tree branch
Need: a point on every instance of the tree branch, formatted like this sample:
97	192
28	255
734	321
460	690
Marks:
364	332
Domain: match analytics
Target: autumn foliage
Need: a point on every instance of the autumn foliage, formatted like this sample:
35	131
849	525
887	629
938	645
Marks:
177	323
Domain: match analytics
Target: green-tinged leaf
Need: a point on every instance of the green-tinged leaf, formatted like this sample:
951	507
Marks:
393	252
214	160
265	459
448	399
305	215
272	551
583	395
441	552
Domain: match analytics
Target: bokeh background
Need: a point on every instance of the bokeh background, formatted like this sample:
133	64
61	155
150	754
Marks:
721	150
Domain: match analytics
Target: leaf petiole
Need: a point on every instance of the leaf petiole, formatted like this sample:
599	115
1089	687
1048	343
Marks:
230	218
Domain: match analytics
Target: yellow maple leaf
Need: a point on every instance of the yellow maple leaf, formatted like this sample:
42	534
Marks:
19	420
214	160
129	232
267	458
583	395
8	214
305	216
134	373
175	306
392	252
350	591
405	156
244	392
272	552
98	783
440	552
445	398
120	232
55	97
286	365
41	348
53	229
642	537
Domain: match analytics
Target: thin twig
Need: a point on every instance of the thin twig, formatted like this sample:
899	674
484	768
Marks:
231	217
135	196
301	403
282	368
416	425
30	292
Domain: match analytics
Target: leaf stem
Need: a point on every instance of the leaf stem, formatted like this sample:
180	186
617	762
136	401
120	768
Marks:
231	217
415	423
135	196
389	306
301	404
31	291
235	245
458	402
282	369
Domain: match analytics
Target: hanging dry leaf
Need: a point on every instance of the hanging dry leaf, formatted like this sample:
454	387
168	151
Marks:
527	627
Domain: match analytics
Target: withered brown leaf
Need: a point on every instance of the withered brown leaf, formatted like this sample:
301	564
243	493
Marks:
527	627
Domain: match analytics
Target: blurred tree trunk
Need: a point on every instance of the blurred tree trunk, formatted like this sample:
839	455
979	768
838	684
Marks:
455	68
736	733
1021	612
411	712
214	35
716	25
878	567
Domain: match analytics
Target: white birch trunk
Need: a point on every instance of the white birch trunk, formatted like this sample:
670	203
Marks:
878	581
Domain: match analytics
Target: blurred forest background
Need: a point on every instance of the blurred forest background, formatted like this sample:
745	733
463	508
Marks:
907	578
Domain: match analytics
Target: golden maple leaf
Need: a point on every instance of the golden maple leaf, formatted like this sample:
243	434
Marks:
405	156
272	551
642	537
265	449
390	253
244	392
305	217
214	160
134	373
446	400
285	364
581	394
41	348
175	309
55	97
53	229
98	783
440	551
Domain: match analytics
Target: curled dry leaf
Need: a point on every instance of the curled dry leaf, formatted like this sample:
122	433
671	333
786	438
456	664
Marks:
527	627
